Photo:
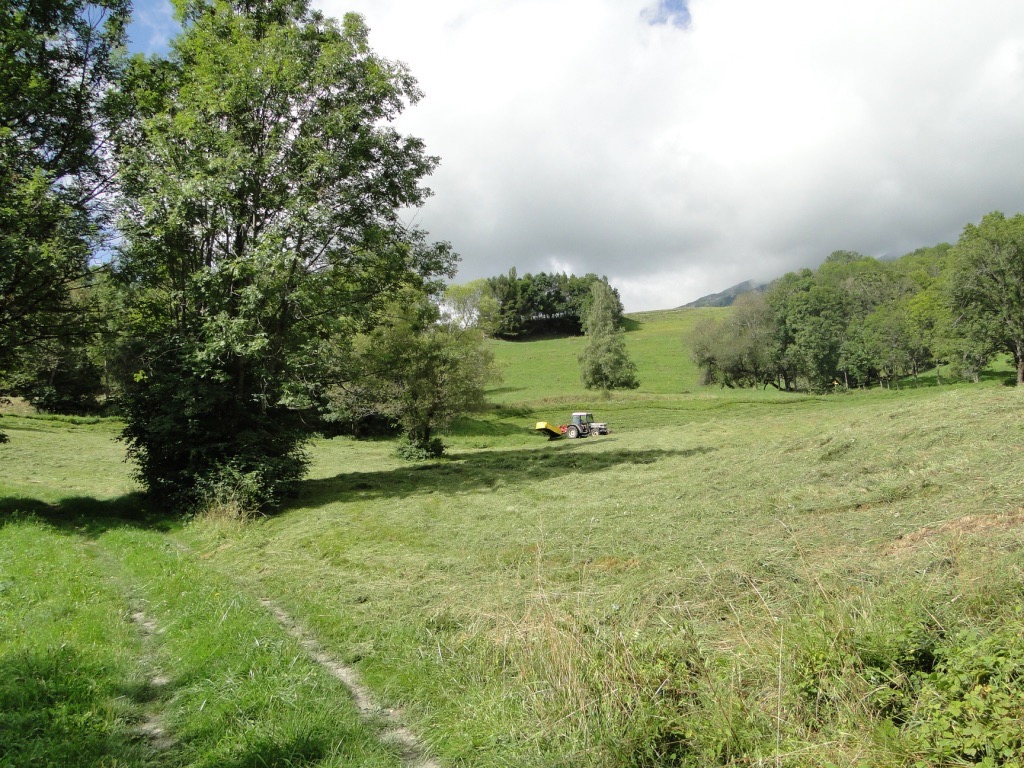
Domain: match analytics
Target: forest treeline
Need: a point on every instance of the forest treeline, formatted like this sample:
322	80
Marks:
521	307
858	321
544	303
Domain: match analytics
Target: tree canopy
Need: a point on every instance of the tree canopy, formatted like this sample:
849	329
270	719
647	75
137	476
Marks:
987	285
261	189
416	369
58	64
858	320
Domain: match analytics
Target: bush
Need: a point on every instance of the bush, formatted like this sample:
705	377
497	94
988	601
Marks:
193	439
59	379
969	709
414	450
231	494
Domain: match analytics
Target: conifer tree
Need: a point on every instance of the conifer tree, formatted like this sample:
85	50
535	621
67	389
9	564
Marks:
604	362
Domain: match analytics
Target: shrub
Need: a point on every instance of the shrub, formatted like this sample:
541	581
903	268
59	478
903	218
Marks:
415	450
969	709
192	438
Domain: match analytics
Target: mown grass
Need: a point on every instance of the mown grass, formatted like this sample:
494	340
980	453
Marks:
725	579
656	342
70	684
729	578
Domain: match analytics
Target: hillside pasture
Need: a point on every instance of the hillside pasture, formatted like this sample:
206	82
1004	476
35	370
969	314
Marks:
730	578
656	341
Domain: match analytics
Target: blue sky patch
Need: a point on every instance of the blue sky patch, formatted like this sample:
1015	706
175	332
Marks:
152	27
674	12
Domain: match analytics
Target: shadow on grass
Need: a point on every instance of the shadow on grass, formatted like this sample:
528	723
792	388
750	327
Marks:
87	516
479	471
1002	369
54	710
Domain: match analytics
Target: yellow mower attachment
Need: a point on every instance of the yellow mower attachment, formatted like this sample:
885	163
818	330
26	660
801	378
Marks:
550	431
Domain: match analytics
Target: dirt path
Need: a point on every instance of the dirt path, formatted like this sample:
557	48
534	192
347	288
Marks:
411	748
152	727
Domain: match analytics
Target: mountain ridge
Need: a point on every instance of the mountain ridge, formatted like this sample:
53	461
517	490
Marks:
727	297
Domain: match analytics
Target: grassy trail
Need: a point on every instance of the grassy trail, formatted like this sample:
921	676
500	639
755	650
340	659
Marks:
119	647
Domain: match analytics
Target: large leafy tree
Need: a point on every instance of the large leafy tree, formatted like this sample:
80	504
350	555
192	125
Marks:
987	285
740	349
417	369
58	62
262	185
471	305
812	316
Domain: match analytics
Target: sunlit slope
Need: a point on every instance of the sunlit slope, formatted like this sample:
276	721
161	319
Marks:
657	343
502	597
827	566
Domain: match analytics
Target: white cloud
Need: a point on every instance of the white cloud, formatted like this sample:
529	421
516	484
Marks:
736	140
681	159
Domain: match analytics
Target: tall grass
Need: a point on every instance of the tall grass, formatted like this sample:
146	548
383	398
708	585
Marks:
727	579
71	687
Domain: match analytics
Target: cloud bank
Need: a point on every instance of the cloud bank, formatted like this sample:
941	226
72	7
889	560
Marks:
682	147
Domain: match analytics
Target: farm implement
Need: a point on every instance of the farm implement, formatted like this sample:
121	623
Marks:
582	424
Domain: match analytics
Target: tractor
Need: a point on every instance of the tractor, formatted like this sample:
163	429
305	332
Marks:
582	424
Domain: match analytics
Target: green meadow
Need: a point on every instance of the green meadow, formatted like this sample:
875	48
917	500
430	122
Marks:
730	578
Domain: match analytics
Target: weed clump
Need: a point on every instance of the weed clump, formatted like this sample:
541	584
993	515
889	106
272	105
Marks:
969	708
231	495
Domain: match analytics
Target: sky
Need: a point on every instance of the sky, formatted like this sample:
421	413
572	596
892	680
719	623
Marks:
682	146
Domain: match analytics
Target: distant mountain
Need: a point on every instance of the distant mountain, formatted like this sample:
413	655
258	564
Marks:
726	297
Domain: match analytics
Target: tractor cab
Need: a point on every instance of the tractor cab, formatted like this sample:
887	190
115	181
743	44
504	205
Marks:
582	424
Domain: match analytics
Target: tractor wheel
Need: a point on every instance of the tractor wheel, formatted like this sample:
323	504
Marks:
572	432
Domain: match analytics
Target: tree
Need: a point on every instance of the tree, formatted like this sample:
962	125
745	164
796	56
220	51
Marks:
740	349
472	305
604	362
891	333
58	63
417	370
987	285
514	303
812	315
262	184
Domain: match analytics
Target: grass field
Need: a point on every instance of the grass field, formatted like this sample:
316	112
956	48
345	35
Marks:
656	342
730	578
